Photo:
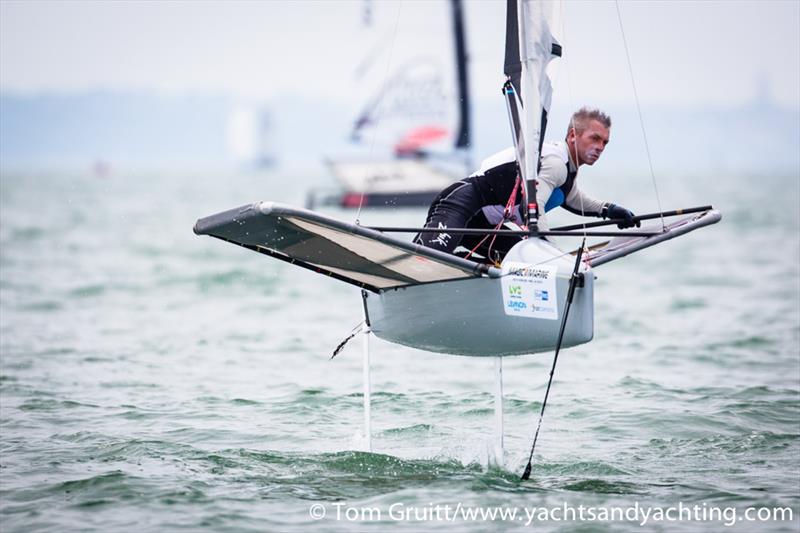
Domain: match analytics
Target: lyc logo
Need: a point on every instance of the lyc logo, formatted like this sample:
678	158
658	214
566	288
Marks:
515	291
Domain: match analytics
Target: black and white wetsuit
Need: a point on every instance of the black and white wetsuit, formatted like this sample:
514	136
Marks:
479	200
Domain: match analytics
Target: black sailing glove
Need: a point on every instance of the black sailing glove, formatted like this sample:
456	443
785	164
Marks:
613	211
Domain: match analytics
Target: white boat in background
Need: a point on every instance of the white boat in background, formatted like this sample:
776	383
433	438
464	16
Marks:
401	182
413	136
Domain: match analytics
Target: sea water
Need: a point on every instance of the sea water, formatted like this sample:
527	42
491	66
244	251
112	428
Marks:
153	380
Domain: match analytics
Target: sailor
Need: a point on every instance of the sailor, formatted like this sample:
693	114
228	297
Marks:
483	200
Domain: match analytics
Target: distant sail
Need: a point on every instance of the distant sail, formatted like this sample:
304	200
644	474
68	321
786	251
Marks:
412	139
418	87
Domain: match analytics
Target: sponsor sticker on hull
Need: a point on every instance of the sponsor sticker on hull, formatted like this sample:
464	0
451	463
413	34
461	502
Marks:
530	290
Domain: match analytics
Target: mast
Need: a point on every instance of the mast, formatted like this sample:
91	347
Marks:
462	75
529	48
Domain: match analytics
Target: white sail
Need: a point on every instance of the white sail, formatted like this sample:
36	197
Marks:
413	95
412	110
530	46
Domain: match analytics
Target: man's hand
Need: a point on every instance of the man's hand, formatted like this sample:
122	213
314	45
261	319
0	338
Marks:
614	211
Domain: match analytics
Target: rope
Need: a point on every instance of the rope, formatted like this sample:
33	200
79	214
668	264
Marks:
512	199
507	215
565	62
380	101
484	240
639	112
355	331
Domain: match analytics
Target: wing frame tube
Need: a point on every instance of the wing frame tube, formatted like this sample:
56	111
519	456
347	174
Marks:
231	226
689	224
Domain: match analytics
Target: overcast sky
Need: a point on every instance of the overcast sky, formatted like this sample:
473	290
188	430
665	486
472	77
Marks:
683	53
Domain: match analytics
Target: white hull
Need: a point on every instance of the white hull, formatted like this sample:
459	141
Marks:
468	317
407	176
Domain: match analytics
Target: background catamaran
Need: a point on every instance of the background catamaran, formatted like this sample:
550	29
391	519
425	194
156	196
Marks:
420	115
426	299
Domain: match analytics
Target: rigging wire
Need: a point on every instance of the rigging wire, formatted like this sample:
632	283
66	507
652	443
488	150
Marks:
565	62
639	112
380	101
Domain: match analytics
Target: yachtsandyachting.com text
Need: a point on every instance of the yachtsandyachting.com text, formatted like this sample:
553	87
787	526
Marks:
641	514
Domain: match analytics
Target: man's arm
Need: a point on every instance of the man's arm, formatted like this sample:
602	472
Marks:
581	204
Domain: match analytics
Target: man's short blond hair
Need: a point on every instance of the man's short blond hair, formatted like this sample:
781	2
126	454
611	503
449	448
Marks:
581	118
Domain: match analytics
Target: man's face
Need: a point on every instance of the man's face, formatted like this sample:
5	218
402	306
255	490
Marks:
588	146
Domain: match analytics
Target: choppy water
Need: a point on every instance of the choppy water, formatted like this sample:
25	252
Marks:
154	380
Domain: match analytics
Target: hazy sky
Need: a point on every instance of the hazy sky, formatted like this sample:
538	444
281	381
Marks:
682	52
